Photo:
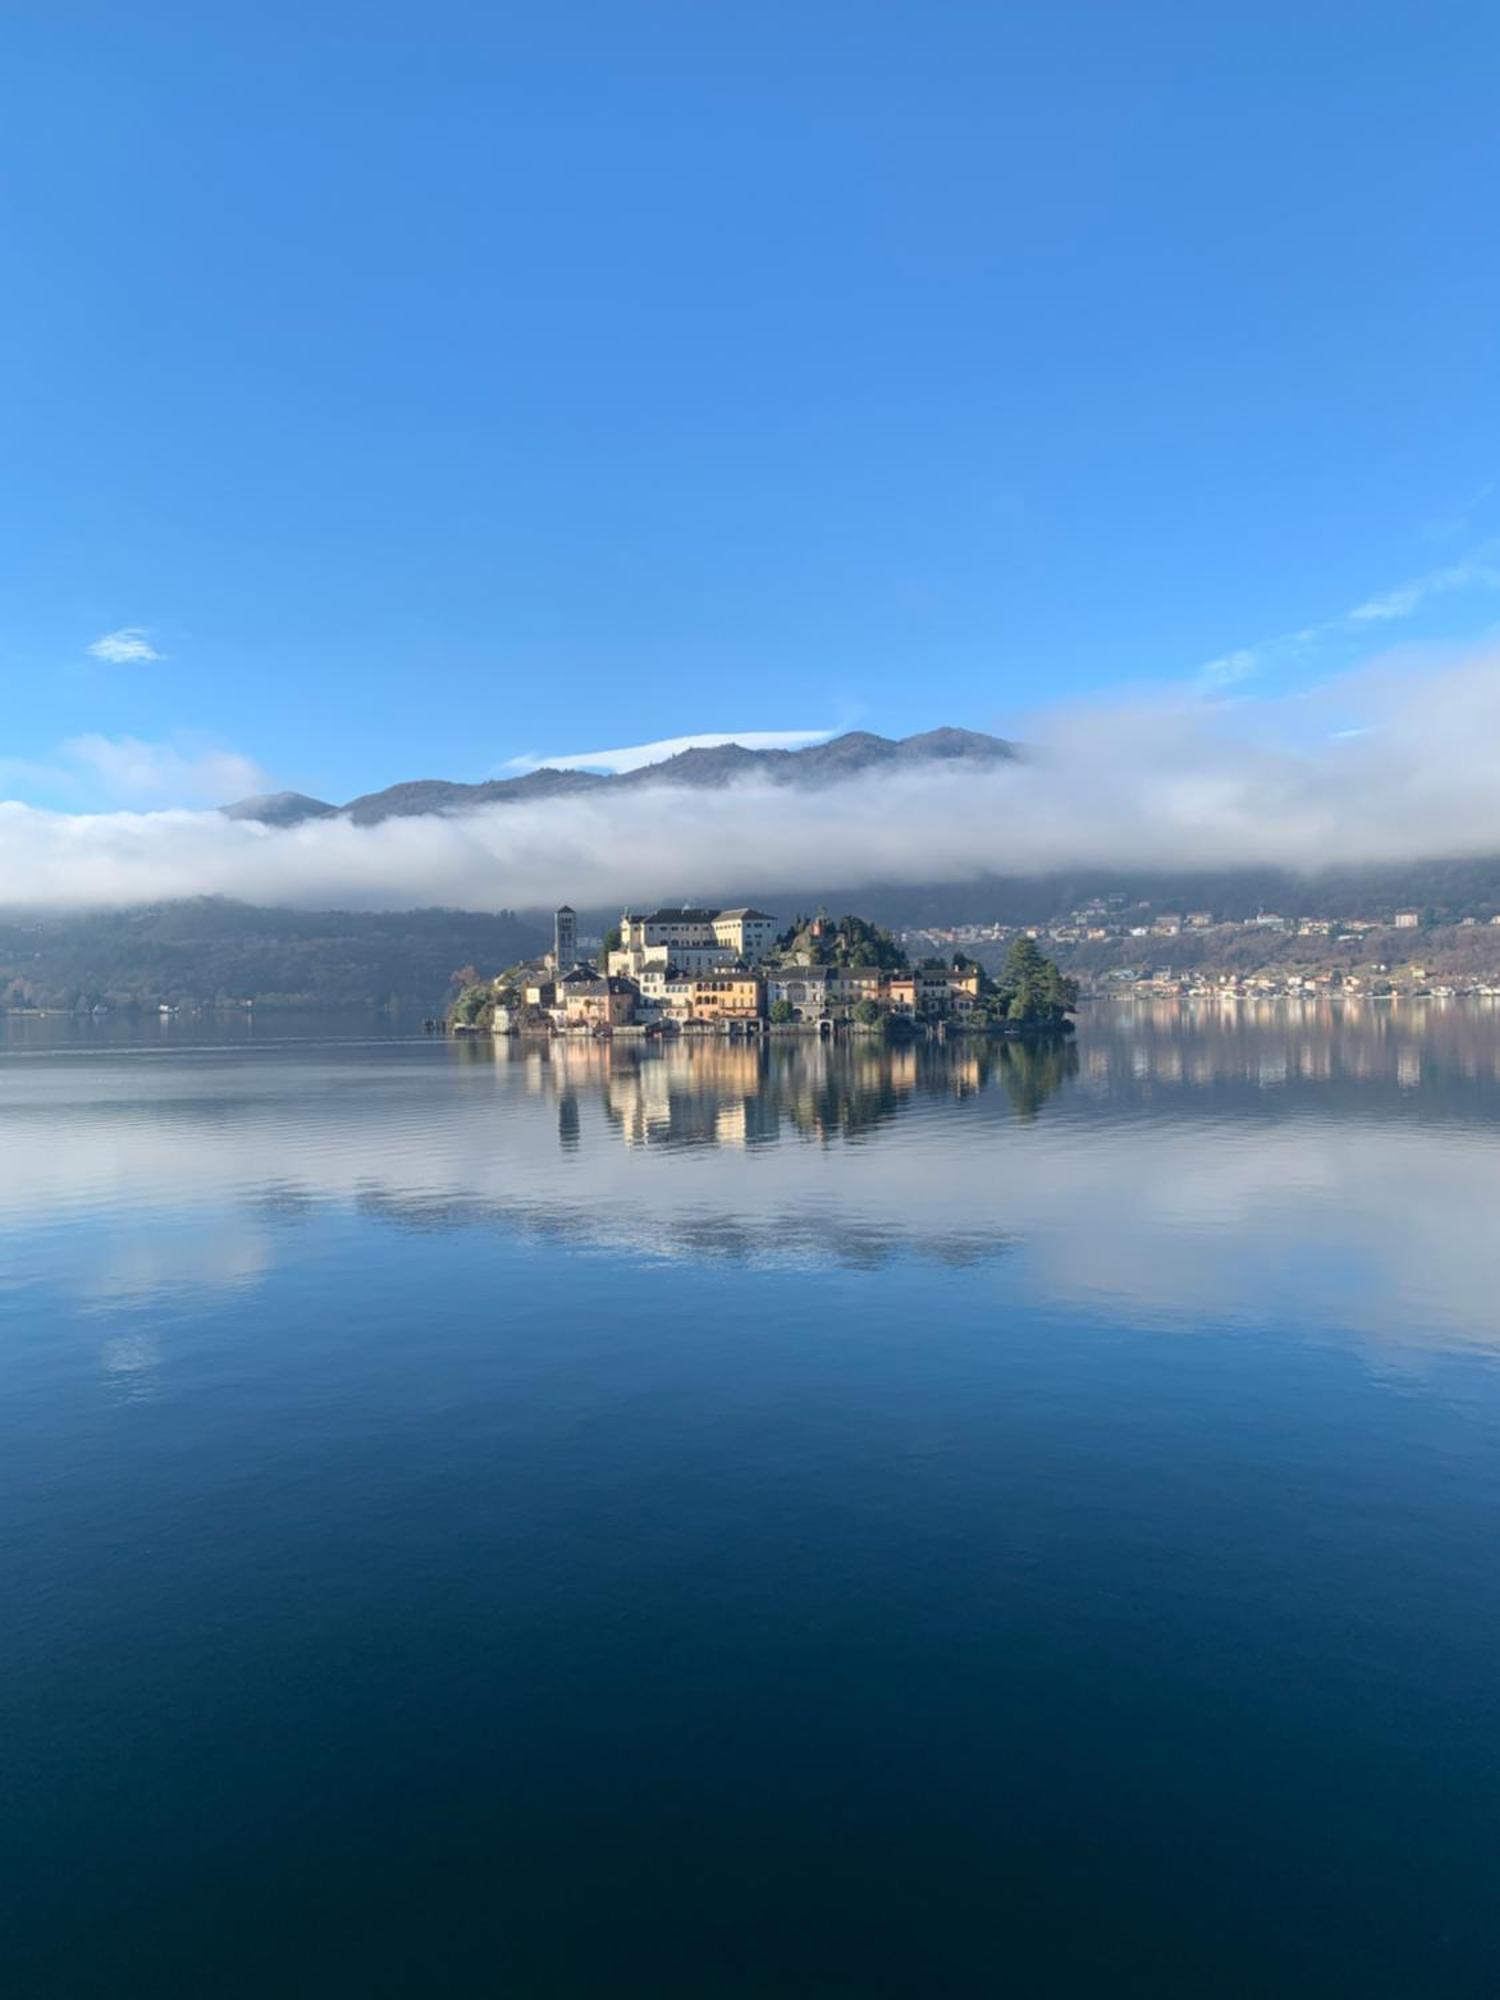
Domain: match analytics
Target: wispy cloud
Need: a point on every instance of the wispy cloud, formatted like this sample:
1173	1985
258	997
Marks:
1480	570
130	646
634	755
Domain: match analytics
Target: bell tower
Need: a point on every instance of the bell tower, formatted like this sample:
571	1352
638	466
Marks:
565	939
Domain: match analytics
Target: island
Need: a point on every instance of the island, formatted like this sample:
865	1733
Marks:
735	972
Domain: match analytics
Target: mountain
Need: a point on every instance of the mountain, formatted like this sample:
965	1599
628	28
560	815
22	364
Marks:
281	808
444	795
848	756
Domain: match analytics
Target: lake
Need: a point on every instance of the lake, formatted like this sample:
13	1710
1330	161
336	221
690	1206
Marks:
830	1521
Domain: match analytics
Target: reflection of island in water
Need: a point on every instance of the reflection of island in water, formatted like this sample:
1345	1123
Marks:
712	1091
1165	1166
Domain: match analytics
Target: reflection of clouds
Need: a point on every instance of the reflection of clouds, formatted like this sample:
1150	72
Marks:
120	1270
129	1364
1388	1237
1191	1203
813	1235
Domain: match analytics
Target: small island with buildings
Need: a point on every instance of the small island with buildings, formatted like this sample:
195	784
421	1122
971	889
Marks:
736	972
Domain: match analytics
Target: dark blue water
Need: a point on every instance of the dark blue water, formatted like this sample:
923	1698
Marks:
752	1524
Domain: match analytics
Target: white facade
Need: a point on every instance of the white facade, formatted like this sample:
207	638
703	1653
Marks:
693	940
748	933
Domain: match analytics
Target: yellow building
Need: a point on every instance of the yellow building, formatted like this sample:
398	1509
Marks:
714	996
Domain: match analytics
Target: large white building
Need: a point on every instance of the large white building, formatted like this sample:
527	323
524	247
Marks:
690	939
749	933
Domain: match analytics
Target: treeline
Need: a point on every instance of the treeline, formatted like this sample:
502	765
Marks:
211	951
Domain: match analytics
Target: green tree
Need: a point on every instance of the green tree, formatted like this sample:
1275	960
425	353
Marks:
782	1012
473	1007
1031	991
868	1012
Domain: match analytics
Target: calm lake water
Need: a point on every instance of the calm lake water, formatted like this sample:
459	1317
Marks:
571	1522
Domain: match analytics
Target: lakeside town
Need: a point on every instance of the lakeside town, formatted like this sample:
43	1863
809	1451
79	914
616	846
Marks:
736	972
1115	949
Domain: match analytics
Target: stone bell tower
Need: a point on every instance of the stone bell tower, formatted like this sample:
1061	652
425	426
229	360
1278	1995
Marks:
564	939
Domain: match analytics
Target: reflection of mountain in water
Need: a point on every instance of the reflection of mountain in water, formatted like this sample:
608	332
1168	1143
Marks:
717	1092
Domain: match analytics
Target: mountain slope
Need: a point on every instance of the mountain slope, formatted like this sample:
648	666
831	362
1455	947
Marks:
281	808
211	950
850	755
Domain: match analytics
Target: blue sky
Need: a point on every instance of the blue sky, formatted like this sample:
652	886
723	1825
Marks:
428	388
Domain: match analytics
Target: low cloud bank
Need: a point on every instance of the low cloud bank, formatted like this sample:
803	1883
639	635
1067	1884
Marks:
1382	767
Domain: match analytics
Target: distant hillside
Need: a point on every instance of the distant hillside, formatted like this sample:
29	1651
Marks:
280	808
1442	891
846	756
211	950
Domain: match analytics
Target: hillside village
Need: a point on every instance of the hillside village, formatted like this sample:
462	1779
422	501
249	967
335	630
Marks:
733	971
1114	947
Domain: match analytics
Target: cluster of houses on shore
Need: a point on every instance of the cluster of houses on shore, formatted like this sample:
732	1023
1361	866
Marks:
718	969
1102	922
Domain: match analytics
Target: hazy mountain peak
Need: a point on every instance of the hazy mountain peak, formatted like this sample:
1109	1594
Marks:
280	808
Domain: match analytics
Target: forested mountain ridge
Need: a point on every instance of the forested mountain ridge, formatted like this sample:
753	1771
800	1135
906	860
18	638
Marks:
211	951
851	755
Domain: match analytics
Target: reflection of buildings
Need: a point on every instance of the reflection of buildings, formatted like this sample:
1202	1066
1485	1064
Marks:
712	1091
721	1093
1269	1045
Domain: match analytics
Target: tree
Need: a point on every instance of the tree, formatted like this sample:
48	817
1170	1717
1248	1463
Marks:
782	1012
868	1012
849	941
613	938
1030	992
473	1007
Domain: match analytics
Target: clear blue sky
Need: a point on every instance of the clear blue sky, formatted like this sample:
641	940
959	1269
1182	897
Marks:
436	384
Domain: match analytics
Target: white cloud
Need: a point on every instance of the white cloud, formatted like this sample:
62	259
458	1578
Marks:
635	755
1163	781
130	646
182	770
1480	570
